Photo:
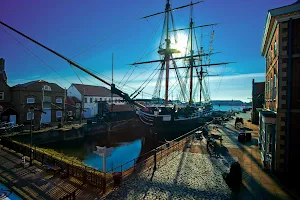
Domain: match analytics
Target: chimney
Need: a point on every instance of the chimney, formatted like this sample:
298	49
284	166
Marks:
2	64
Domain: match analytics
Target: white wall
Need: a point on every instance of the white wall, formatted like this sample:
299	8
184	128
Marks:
73	92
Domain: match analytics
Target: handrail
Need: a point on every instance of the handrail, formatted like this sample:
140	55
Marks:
178	139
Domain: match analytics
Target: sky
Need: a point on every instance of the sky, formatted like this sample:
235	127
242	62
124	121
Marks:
90	31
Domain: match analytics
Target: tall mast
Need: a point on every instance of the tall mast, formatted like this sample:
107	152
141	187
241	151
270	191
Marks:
191	59
167	56
201	74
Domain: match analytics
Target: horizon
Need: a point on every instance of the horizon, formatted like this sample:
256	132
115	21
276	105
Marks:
106	29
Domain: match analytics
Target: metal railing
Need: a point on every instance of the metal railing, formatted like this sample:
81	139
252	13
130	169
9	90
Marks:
155	158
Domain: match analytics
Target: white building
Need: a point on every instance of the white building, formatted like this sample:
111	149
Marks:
91	95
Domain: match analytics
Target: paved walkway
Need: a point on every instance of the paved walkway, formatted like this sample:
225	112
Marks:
33	182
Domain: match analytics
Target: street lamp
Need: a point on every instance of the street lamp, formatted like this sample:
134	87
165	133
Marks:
31	109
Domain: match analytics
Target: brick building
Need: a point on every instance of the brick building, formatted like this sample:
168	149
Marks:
258	92
7	110
40	95
280	118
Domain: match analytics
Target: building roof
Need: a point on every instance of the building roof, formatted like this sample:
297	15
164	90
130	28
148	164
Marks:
69	101
30	83
266	113
75	100
259	87
5	106
92	90
270	21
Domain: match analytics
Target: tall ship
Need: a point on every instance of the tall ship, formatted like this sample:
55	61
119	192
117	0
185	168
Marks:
186	112
192	108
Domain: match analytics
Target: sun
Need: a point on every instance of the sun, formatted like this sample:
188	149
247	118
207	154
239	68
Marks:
181	44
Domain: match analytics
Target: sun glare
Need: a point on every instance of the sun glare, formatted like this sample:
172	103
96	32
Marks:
181	44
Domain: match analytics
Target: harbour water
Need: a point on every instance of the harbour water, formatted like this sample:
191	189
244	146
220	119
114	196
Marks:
228	107
125	145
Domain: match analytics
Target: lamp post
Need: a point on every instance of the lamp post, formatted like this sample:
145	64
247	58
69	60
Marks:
31	113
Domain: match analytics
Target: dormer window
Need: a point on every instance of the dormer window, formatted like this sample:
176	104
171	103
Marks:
30	100
47	88
1	95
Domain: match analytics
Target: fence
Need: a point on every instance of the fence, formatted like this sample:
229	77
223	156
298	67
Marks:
156	158
73	168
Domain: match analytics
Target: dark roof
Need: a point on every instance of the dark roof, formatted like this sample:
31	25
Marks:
30	83
69	101
75	100
267	113
92	90
259	87
6	105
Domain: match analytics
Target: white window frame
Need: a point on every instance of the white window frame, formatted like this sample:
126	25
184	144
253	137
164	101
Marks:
47	88
30	98
28	116
57	113
59	98
1	95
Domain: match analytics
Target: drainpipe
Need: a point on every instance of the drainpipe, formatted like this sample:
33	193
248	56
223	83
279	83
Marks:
289	73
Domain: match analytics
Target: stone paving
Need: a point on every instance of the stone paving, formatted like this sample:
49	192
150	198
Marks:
186	176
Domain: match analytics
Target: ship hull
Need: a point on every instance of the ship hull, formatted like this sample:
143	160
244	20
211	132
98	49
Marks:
168	128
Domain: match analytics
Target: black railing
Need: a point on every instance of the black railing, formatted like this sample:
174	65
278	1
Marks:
86	174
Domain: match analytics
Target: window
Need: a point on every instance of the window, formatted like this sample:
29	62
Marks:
1	95
58	114
91	100
47	88
30	100
59	100
274	85
70	113
29	116
85	100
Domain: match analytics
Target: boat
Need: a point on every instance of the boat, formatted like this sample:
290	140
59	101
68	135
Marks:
177	118
170	118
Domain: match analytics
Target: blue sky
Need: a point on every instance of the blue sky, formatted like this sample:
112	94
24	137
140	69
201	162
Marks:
105	27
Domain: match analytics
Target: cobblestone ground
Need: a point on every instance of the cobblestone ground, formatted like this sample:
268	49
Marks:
186	176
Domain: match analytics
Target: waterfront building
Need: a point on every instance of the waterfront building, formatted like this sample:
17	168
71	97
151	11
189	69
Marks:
280	119
258	92
39	95
91	95
7	110
73	107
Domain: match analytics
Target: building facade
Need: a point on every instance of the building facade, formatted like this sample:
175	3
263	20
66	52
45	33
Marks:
280	118
73	107
90	95
40	95
258	92
7	110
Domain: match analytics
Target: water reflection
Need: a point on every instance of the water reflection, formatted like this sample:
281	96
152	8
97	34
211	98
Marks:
120	155
127	145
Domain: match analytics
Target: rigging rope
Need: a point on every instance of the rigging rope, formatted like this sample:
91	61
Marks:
37	57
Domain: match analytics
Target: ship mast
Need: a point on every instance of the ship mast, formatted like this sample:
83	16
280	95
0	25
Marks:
167	52
192	58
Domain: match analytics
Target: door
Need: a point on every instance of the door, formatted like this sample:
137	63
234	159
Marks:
13	119
46	118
